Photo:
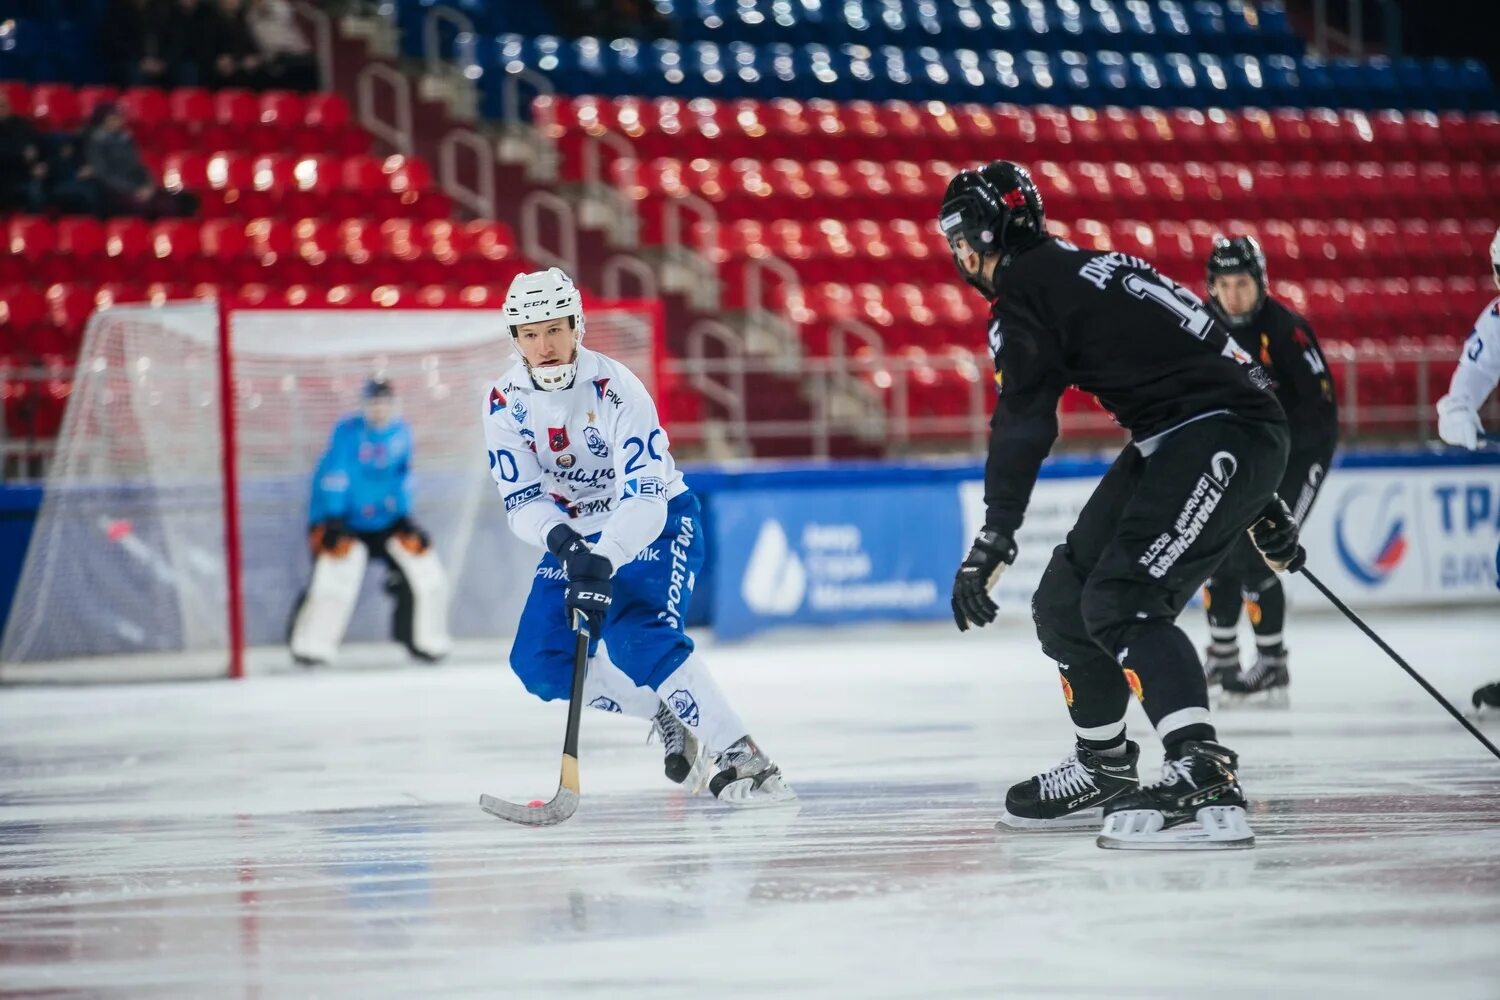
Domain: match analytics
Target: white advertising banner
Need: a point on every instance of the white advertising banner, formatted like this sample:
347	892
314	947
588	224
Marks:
1377	536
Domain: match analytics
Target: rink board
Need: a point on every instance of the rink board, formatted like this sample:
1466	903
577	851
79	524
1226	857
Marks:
845	545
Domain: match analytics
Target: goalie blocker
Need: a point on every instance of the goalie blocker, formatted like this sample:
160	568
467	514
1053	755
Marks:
415	578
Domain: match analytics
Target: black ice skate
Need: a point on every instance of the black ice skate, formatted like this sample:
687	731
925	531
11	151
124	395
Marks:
747	777
1070	796
1487	699
1265	683
1197	805
683	756
1218	666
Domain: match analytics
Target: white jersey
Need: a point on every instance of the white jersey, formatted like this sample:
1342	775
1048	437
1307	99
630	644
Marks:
593	456
1479	363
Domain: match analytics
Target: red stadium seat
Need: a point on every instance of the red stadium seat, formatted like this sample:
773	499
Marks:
55	107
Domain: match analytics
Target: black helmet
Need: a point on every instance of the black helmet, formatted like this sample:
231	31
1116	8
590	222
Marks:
995	209
378	387
1241	255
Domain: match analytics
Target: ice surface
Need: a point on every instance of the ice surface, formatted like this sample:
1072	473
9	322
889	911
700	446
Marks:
318	835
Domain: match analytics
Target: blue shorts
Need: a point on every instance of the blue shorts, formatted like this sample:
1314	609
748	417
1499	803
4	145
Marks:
644	627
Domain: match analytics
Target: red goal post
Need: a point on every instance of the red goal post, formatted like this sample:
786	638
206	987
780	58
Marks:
171	536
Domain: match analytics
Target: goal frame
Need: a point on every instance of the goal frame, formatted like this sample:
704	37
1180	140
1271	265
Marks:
229	422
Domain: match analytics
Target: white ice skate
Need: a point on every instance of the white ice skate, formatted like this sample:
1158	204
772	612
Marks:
748	779
683	756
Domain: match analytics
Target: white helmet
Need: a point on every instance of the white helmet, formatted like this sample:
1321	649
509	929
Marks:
1495	257
544	295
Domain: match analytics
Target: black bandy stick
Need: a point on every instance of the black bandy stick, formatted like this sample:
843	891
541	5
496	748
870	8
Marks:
565	802
1359	623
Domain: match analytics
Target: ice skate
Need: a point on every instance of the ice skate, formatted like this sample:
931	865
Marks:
1196	805
1487	700
684	759
1218	666
1070	796
746	777
1264	685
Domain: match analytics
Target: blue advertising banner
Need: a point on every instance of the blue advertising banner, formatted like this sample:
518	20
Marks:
818	556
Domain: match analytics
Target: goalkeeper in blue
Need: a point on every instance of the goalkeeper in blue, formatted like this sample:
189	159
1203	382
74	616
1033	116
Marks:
359	509
582	464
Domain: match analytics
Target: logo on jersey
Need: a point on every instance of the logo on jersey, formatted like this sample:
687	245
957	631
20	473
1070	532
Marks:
684	707
603	391
497	402
1224	466
1369	535
600	384
997	339
647	487
522	497
595	442
1067	690
606	704
518	410
565	460
557	439
1162	554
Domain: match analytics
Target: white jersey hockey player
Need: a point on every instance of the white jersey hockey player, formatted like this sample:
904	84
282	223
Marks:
1473	380
582	464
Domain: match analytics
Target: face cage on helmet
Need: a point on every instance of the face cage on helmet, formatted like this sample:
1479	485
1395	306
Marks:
566	372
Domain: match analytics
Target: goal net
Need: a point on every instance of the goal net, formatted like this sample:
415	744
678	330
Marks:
132	571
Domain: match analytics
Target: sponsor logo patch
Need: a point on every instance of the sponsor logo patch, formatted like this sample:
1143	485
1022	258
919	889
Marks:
595	442
565	460
557	438
497	401
522	497
646	487
606	704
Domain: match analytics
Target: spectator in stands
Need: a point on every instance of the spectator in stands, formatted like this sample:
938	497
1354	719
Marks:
191	42
115	167
237	60
135	41
287	54
610	19
23	162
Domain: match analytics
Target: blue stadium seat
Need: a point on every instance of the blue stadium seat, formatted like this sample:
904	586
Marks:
1038	72
1140	30
1113	79
1180	74
1150	79
1075	77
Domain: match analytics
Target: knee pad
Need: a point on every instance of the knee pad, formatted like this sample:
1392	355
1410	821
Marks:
1054	611
319	624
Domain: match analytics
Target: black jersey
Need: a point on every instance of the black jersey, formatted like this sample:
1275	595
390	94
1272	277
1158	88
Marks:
1287	347
1111	325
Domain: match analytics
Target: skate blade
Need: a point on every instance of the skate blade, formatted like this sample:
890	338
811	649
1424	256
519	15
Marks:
697	777
1219	828
742	794
1275	699
1084	819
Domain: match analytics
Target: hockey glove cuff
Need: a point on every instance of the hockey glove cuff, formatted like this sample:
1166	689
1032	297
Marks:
1458	424
576	555
1275	535
991	553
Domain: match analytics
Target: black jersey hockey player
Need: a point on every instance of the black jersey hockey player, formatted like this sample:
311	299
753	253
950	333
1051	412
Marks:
1209	444
1287	348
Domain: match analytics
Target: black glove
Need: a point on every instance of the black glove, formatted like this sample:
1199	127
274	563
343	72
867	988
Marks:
589	589
406	526
592	596
972	604
571	551
1274	533
330	533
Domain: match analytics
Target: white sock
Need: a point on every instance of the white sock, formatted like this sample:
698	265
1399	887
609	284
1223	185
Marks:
606	687
699	702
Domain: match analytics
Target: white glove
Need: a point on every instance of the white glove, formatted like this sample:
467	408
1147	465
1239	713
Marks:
1458	424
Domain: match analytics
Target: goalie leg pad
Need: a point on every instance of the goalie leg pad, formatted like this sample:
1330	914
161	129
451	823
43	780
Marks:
425	631
325	611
